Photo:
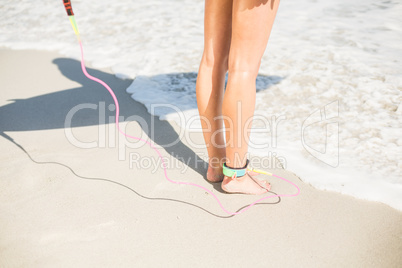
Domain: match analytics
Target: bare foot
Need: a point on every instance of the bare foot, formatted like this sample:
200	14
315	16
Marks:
253	173
245	185
214	175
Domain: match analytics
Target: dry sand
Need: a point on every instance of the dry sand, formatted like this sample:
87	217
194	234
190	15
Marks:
66	206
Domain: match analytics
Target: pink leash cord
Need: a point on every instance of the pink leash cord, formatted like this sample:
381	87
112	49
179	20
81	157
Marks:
84	70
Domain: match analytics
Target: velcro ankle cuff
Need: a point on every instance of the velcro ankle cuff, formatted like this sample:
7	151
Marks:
229	172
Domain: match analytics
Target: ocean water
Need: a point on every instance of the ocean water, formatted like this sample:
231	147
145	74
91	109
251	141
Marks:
329	91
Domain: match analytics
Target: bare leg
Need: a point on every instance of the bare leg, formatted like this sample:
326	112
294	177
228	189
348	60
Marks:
251	26
211	81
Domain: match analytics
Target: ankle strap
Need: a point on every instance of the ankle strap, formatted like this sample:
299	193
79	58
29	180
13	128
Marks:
230	172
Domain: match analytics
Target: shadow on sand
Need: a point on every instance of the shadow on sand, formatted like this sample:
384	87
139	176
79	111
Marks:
49	111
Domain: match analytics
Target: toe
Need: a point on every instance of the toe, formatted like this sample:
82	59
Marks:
263	191
262	183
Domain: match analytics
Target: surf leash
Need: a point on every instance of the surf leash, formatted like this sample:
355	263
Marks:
70	13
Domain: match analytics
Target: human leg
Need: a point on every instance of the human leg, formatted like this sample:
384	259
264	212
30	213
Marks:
251	26
211	80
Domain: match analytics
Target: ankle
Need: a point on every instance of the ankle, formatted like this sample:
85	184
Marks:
214	175
216	164
235	172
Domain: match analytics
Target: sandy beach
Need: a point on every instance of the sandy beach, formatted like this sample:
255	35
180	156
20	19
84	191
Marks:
63	205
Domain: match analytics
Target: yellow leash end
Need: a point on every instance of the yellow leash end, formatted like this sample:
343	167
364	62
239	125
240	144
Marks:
260	171
74	24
